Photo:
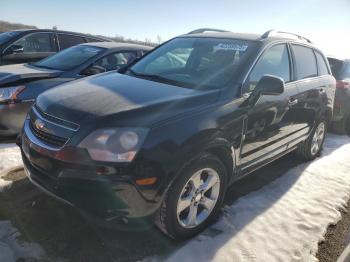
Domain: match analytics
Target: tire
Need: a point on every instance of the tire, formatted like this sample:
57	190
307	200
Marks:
176	223
308	150
347	126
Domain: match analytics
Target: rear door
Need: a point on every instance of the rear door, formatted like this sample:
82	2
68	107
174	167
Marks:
310	86
68	40
270	121
30	48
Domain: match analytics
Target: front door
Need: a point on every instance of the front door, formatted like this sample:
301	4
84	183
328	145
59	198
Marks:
269	125
30	48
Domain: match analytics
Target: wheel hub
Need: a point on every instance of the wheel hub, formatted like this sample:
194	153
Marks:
198	197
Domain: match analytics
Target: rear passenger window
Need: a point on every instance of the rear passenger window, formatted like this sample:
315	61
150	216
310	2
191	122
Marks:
305	62
274	61
321	63
92	40
69	40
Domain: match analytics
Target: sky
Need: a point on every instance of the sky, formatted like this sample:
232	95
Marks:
325	22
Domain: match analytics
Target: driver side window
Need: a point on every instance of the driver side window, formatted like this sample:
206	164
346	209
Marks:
275	61
37	42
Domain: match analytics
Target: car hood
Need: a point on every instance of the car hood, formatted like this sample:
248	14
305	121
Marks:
135	101
17	73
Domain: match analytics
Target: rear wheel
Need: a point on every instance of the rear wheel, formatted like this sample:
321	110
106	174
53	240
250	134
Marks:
194	199
347	126
313	146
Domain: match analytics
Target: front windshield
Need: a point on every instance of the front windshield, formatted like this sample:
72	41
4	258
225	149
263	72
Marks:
4	37
194	62
70	57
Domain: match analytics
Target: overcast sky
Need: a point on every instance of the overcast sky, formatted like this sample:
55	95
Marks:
326	22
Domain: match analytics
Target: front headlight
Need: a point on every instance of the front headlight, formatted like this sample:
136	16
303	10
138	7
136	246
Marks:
114	145
10	93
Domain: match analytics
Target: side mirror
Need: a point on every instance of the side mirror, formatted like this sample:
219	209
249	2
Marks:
93	70
15	49
267	85
270	85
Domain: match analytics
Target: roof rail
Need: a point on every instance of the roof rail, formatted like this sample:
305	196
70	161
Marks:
276	32
202	30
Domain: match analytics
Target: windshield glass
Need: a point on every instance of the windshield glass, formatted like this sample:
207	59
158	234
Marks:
4	37
194	62
70	57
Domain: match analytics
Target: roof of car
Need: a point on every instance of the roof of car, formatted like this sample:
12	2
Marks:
61	31
115	45
338	58
252	37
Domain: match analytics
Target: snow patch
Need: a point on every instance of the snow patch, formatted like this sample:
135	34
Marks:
283	221
11	246
10	157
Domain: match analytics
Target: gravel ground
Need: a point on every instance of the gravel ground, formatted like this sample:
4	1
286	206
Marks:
336	239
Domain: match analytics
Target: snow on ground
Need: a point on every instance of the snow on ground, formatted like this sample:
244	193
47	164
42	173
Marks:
11	247
283	221
10	157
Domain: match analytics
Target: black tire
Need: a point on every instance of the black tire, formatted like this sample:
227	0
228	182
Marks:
304	150
347	126
167	219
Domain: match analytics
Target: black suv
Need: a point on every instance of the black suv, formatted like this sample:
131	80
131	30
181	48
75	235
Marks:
31	45
165	138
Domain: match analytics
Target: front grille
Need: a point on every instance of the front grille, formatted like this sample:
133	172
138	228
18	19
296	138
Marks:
49	139
55	119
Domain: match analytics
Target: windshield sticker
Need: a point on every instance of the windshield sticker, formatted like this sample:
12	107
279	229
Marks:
233	47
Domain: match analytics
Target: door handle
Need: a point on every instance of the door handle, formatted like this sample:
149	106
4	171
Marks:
292	102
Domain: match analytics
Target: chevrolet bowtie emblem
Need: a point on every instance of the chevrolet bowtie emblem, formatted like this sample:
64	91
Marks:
39	124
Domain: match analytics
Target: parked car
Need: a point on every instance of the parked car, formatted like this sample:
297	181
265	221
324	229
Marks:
162	142
341	117
30	45
21	84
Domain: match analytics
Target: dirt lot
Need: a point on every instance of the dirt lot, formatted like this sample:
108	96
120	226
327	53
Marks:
336	239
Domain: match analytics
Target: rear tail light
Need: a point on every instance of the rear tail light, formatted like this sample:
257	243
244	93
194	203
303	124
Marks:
343	84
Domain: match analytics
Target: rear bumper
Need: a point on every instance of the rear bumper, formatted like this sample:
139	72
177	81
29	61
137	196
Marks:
12	117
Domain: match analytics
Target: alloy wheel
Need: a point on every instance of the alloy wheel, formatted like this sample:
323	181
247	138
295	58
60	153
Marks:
198	198
318	138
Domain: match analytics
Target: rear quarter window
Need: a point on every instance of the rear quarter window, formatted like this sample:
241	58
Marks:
305	62
66	41
321	64
92	40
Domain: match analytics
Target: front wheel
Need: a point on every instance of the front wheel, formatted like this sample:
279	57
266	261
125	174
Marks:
313	146
194	199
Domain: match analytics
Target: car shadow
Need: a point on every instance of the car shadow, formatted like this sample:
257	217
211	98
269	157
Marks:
64	234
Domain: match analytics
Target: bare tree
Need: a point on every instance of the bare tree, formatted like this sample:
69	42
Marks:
159	39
